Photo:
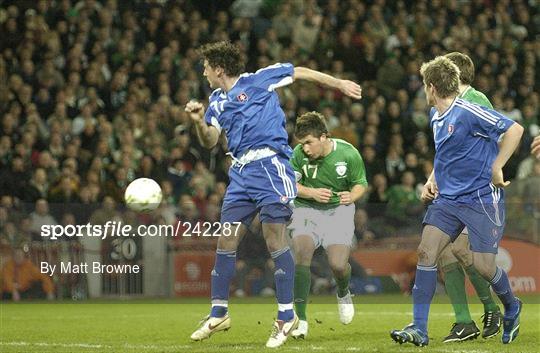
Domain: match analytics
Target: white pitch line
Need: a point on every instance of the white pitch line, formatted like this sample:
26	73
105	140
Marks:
45	344
176	348
392	313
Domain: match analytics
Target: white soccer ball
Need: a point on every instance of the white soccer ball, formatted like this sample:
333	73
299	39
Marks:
143	195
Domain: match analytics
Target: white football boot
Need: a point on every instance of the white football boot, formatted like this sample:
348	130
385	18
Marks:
346	309
301	331
211	325
281	331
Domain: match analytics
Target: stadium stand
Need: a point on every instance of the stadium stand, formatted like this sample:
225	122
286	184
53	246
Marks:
92	96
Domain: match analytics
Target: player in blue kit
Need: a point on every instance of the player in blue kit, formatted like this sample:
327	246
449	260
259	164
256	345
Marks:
246	106
468	179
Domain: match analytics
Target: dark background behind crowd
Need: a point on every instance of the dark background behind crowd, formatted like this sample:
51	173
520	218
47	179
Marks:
92	96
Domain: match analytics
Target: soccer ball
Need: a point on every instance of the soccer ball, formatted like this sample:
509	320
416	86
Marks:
143	195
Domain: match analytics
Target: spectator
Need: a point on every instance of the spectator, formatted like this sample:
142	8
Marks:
88	88
21	279
306	30
38	187
40	217
404	206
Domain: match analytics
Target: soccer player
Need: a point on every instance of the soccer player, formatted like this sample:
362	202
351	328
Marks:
330	177
246	106
468	175
458	256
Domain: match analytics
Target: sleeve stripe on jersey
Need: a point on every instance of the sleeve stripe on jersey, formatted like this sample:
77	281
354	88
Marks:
485	113
274	66
215	123
490	118
284	82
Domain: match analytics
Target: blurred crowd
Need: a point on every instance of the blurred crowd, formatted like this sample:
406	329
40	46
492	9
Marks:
92	96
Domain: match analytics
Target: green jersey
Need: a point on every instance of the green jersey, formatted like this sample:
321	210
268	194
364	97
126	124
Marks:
476	97
339	171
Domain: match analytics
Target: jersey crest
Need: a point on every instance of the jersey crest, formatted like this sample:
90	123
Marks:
242	97
341	169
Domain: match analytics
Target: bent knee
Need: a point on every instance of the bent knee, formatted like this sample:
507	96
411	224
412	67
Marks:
227	243
426	257
339	266
303	257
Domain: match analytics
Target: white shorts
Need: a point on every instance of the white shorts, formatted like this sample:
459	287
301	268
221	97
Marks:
327	227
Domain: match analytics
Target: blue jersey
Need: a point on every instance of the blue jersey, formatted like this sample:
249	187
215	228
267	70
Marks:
466	138
251	113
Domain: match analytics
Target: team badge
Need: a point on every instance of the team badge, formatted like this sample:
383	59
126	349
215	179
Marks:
501	124
242	97
450	129
341	168
284	199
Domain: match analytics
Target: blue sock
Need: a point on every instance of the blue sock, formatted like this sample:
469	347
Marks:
284	276
222	275
423	290
501	287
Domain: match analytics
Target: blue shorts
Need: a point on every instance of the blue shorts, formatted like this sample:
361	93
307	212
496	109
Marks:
482	213
266	186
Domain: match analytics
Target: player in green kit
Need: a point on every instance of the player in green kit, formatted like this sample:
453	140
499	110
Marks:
458	256
330	177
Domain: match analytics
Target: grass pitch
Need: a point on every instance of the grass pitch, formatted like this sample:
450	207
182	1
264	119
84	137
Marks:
165	326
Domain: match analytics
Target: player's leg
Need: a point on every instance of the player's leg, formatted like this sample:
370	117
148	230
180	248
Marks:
337	235
223	271
485	224
274	234
270	182
441	225
492	316
305	241
222	275
304	247
433	242
237	207
486	266
454	281
287	321
338	257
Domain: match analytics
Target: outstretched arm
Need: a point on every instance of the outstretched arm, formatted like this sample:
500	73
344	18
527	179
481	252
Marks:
350	88
208	135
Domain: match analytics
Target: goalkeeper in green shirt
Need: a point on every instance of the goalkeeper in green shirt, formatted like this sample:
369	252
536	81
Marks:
456	259
330	176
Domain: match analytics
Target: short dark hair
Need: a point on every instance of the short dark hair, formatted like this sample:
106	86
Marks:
465	65
443	74
312	123
225	55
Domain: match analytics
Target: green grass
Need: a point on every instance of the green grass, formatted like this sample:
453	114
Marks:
165	326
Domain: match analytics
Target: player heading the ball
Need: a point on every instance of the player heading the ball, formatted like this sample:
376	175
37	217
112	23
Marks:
246	107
